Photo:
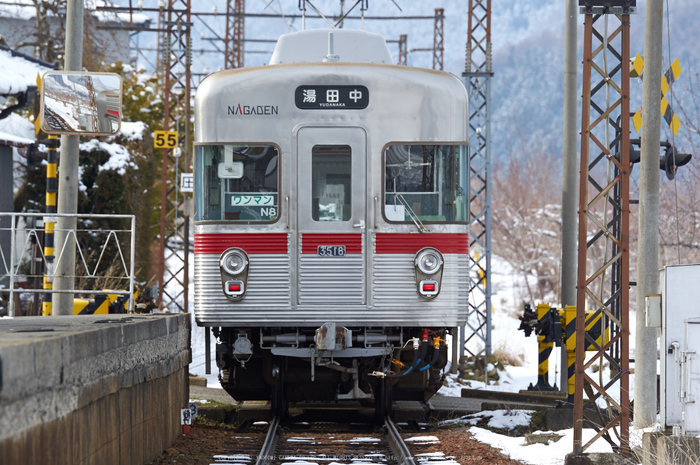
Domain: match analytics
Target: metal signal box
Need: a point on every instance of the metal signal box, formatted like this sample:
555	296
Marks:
680	348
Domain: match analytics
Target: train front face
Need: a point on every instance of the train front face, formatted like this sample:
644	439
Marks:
331	247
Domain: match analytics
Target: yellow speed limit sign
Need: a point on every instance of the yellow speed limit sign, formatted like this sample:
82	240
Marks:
165	140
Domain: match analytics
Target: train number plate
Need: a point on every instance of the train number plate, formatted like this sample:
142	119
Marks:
331	250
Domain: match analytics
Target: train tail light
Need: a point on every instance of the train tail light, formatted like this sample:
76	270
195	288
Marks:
234	288
429	288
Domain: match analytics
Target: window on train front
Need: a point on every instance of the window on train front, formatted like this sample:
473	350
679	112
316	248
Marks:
331	183
236	183
425	182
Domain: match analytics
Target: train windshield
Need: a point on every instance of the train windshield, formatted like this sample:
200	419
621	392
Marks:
426	182
236	183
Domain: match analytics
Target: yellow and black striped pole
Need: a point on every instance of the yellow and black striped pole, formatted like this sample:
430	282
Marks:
51	197
545	349
570	339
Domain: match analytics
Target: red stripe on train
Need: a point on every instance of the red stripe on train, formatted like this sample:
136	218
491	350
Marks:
412	243
251	243
310	242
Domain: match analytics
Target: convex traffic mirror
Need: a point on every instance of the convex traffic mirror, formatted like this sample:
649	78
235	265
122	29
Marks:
81	103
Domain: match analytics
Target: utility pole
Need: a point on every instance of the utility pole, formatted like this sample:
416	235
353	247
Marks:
648	242
403	50
68	183
439	39
569	232
235	34
173	282
603	225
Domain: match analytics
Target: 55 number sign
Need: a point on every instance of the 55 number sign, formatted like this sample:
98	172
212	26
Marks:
165	140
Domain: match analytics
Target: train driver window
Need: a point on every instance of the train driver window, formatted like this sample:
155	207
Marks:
236	183
331	183
425	182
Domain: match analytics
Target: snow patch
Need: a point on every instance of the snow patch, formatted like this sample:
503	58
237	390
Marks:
498	419
119	156
133	131
16	129
538	454
16	73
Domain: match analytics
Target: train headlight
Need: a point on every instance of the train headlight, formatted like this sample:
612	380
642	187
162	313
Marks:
428	267
234	261
428	261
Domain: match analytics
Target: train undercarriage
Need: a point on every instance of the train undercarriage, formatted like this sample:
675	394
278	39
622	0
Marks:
373	366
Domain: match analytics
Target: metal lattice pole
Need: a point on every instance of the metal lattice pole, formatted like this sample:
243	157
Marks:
478	81
235	34
439	39
403	50
160	59
174	219
603	253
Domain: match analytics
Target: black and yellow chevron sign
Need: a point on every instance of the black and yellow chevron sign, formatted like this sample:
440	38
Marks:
667	81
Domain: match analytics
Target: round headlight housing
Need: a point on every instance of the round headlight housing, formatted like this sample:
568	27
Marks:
429	261
233	262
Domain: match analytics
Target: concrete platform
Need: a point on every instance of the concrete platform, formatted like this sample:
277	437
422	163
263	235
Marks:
91	389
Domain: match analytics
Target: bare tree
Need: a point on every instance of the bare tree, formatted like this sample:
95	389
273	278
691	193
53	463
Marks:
47	39
527	218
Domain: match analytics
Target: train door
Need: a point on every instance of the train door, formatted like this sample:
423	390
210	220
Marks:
331	216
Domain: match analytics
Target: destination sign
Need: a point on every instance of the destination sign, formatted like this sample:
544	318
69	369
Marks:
331	97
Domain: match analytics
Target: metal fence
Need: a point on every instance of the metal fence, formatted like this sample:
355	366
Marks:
23	234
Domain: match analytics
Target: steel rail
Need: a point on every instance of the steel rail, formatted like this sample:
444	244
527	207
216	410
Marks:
267	452
396	443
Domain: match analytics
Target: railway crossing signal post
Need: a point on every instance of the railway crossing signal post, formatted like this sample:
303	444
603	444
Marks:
477	76
603	234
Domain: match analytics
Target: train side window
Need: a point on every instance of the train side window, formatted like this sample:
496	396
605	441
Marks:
331	179
236	183
427	182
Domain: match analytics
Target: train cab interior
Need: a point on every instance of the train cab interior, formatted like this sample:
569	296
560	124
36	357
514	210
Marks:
238	183
424	183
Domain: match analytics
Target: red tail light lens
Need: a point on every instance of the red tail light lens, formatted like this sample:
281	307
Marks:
234	288
429	288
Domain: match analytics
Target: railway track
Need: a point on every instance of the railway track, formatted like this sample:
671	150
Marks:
320	443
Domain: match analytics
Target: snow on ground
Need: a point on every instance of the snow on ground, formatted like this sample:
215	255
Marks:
538	454
499	419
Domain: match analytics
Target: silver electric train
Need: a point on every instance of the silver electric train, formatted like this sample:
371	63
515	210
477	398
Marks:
331	234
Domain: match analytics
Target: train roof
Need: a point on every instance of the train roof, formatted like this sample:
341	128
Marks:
335	45
266	103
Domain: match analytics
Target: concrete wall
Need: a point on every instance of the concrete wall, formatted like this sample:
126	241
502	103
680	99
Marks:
91	389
